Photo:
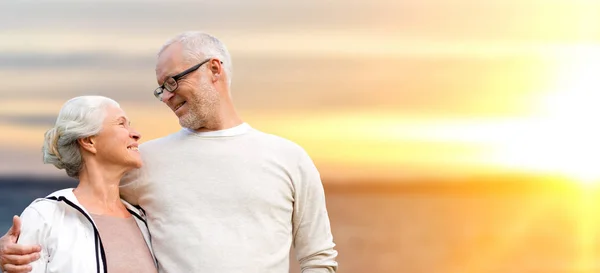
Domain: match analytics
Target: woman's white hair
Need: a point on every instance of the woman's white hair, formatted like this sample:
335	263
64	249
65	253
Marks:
198	46
78	118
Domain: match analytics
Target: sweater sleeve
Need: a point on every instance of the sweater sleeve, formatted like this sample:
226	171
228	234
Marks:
128	187
313	240
35	230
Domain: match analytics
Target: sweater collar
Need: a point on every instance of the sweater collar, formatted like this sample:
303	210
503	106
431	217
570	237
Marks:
233	131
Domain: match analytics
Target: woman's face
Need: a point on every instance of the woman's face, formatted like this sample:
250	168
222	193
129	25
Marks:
117	143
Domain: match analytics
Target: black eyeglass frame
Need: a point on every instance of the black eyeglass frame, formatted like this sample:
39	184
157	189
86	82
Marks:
172	87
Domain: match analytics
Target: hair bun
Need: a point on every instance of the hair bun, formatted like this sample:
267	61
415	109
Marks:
50	149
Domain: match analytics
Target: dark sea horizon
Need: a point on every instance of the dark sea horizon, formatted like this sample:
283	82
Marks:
17	192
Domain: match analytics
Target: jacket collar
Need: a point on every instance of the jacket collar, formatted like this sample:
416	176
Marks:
69	195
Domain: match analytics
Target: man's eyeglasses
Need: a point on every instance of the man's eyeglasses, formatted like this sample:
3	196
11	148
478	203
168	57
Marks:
171	83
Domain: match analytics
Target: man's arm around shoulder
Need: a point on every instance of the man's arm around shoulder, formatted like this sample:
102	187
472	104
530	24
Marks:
16	258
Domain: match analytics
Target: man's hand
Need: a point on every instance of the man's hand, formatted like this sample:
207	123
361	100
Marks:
15	258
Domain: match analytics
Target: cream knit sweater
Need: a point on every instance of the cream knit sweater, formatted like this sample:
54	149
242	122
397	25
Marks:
230	201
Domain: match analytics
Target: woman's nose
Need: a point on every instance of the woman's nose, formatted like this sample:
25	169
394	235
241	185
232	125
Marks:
135	135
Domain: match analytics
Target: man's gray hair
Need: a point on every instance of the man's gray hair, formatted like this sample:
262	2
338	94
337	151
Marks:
79	117
198	46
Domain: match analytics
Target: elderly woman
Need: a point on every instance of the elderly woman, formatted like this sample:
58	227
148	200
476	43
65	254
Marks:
89	228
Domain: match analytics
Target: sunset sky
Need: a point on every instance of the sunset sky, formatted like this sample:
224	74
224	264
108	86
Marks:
371	89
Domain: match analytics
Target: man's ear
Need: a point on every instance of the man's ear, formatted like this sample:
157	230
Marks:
216	68
88	144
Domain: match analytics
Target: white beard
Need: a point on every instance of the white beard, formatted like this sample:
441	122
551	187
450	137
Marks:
201	107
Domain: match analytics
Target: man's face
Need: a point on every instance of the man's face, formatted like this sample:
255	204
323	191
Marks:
196	99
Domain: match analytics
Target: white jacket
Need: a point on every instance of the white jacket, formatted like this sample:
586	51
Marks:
68	235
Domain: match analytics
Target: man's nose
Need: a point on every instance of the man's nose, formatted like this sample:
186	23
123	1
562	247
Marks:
166	95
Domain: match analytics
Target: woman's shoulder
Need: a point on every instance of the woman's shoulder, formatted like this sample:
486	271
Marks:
47	206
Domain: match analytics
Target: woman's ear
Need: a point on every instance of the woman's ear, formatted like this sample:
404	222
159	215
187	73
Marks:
88	144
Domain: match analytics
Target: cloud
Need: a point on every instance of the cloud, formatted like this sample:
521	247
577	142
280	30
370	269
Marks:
29	120
419	85
435	19
149	17
417	57
38	60
21	160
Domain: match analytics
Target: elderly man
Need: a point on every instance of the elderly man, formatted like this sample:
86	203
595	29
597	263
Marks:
219	195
